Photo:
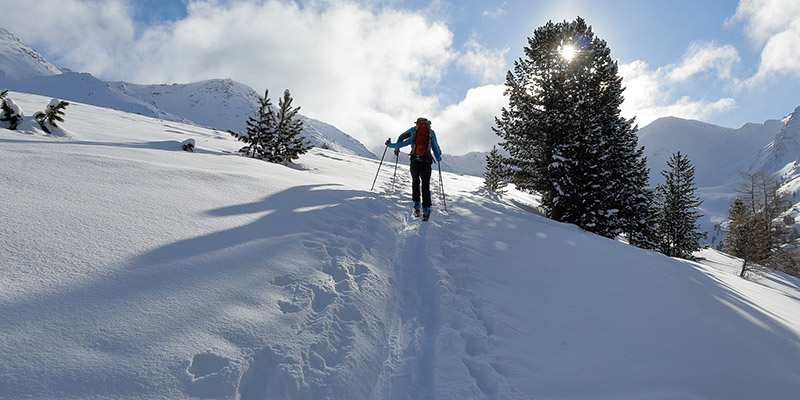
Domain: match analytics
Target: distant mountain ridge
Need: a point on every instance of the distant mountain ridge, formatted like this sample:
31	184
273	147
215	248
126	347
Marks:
218	103
720	155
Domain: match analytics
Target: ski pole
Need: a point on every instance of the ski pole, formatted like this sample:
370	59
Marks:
379	165
441	185
397	157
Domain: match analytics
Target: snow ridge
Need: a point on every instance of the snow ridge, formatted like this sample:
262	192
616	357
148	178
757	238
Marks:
18	61
221	104
719	155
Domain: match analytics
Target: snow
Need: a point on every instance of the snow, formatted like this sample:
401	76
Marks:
19	62
720	155
15	109
221	104
132	269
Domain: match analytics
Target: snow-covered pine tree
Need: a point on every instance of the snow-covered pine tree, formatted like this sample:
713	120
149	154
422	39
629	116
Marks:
259	129
10	112
52	115
285	142
629	189
679	233
564	134
188	145
494	178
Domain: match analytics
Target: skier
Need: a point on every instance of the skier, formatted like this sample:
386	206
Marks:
423	140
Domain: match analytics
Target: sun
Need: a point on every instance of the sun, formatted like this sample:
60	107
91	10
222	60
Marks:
567	52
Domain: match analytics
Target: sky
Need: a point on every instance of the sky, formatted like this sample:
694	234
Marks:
371	67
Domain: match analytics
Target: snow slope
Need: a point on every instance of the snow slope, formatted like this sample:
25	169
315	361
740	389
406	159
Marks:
132	269
719	155
18	61
221	104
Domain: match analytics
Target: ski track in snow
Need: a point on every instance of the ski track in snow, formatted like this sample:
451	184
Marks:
216	276
339	331
431	335
439	333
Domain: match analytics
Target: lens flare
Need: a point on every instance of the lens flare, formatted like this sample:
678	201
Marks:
567	52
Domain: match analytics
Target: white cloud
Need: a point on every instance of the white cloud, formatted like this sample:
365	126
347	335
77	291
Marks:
775	25
360	70
780	56
764	19
701	57
366	68
90	35
500	10
467	126
486	64
648	96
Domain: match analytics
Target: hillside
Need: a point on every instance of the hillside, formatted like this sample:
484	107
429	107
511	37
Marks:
221	104
18	61
719	155
132	269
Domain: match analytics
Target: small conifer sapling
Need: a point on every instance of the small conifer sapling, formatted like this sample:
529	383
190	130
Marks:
52	115
10	113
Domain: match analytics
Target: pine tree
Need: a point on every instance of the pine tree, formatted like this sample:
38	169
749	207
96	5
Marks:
679	234
274	136
286	144
10	113
494	177
52	115
564	134
259	127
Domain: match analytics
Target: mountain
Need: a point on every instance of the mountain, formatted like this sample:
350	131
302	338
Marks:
721	154
472	163
132	269
221	104
18	61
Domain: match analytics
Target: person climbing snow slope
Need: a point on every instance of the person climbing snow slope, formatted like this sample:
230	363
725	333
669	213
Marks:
424	150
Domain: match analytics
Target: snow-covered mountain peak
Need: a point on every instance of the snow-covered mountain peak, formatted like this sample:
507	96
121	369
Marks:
18	61
785	148
793	116
721	154
221	104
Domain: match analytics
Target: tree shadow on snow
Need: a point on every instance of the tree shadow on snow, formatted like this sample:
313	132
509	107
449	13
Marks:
193	282
165	145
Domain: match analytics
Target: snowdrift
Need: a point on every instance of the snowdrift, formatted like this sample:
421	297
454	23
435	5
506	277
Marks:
132	269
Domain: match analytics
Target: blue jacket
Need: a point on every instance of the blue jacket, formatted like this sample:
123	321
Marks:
437	152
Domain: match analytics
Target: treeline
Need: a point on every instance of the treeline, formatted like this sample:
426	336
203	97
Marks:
565	139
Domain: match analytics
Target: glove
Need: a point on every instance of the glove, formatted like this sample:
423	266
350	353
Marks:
388	141
396	152
438	159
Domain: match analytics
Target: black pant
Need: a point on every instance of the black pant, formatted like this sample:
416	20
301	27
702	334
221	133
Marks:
421	174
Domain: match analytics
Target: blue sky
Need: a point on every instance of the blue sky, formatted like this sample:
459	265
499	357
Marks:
370	67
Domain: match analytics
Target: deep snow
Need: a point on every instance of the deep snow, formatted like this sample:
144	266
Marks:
132	269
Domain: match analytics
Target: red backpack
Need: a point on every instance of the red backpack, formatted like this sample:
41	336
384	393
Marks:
422	138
